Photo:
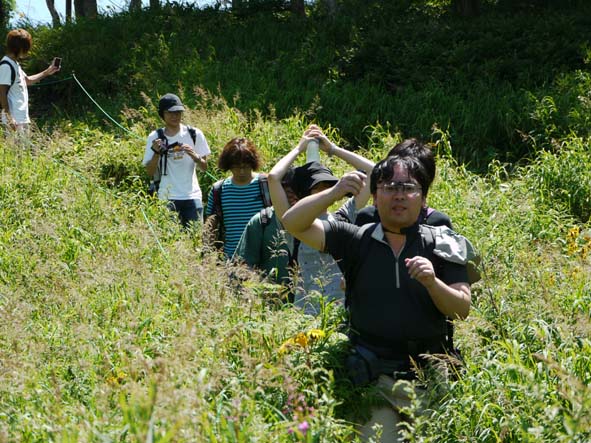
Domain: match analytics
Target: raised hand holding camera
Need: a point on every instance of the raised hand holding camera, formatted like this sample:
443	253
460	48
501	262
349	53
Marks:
157	146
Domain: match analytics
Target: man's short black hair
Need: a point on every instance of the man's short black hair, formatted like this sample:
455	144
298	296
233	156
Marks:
413	147
383	171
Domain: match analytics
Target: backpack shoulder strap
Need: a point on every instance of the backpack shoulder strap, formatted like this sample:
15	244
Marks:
428	246
163	162
217	198
360	243
192	133
264	187
450	246
266	214
427	238
162	136
12	71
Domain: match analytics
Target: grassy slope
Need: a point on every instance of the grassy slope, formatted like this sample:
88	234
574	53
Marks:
116	325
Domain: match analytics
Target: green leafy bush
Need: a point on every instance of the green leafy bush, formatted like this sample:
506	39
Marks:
561	177
409	65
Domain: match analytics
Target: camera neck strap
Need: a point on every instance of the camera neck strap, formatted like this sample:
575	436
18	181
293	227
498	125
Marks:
163	151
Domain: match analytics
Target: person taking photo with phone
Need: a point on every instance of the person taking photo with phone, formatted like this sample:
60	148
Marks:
14	95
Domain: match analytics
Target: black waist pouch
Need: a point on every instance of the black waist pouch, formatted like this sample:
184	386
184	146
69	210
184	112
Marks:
364	366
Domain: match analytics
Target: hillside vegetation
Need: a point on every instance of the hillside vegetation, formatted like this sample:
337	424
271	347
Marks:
487	79
118	326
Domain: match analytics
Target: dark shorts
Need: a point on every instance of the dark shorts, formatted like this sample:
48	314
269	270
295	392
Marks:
188	210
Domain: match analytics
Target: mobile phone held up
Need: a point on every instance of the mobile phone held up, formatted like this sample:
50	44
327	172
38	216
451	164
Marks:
57	62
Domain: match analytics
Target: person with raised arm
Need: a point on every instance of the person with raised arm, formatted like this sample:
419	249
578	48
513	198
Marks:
401	288
14	95
320	275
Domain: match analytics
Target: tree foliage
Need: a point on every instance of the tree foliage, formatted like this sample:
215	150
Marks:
6	7
86	9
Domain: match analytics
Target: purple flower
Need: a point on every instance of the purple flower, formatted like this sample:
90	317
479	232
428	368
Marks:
303	427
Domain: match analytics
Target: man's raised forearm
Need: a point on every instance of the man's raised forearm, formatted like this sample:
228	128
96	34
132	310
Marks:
301	216
357	161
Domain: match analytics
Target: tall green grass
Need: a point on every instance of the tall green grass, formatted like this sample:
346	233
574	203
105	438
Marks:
119	326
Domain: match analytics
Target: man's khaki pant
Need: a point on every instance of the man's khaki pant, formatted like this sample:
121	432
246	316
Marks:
382	427
398	396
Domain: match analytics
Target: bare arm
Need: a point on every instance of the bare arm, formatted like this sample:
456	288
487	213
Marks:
202	164
453	300
301	220
355	160
359	163
41	75
152	165
200	161
278	195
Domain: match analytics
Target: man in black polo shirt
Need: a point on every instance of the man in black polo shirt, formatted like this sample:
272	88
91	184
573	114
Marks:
400	293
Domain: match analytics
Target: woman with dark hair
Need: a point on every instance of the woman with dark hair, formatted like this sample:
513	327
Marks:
14	96
240	194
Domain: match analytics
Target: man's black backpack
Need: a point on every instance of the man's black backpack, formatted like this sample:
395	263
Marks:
428	235
162	165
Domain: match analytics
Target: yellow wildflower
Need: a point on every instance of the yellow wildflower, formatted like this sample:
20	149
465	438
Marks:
301	339
117	378
585	251
315	334
285	346
573	233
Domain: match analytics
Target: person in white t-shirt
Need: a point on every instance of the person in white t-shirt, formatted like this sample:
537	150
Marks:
173	153
14	96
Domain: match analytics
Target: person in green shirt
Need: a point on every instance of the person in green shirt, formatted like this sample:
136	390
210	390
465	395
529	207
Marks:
266	246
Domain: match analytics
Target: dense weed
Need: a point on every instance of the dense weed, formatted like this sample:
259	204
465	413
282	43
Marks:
119	326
